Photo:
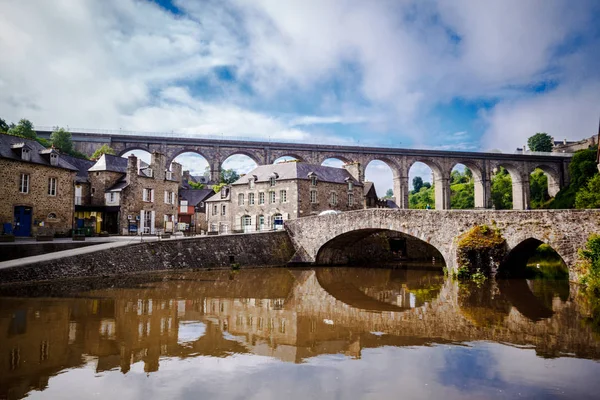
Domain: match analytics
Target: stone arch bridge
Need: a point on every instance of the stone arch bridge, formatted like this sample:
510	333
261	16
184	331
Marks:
215	151
318	239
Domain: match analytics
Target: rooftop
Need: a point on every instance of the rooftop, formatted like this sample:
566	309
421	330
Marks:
9	146
297	170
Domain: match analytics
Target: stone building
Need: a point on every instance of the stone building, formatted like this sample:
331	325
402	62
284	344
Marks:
271	194
37	188
128	196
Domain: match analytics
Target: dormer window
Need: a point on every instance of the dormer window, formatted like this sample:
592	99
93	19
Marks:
272	181
149	172
350	185
251	183
25	154
169	175
54	159
313	179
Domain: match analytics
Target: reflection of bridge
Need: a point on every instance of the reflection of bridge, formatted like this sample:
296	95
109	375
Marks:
327	239
441	163
295	315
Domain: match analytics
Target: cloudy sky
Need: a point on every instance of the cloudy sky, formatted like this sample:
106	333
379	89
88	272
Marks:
463	74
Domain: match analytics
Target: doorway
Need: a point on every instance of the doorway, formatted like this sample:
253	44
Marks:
23	221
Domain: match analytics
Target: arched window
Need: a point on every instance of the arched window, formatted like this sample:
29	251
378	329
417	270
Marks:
277	221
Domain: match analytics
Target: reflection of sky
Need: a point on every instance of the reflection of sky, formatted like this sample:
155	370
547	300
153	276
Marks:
190	331
479	370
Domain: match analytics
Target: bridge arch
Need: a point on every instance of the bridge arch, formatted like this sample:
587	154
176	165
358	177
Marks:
327	156
288	155
349	247
257	158
515	262
441	180
553	175
176	154
134	148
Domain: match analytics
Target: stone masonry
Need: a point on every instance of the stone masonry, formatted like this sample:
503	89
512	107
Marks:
566	231
55	212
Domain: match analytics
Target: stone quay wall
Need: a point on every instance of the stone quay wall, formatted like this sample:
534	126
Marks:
247	250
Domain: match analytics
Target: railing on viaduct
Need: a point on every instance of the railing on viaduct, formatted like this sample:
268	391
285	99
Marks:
482	164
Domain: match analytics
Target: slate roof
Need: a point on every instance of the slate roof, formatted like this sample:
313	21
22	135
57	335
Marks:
217	196
297	170
367	187
195	196
117	187
82	166
109	162
9	145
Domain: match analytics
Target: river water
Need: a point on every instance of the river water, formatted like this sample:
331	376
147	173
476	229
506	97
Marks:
324	333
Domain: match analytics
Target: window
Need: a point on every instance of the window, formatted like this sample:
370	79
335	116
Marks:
25	155
313	196
261	222
350	185
52	215
169	197
246	223
278	221
283	196
350	199
169	175
261	198
251	199
24	183
149	172
223	210
313	180
241	199
272	197
54	159
148	195
272	181
52	186
215	210
148	221
111	197
251	183
333	199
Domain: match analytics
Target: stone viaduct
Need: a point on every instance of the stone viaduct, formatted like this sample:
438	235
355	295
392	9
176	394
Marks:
215	151
326	239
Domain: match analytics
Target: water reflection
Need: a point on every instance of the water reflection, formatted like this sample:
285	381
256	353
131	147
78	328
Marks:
147	323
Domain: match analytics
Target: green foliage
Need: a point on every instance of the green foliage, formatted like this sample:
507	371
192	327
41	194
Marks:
389	194
540	142
44	142
590	256
197	185
546	264
502	190
589	195
217	188
104	149
461	273
462	195
228	176
582	168
62	140
538	183
417	184
3	126
420	200
24	129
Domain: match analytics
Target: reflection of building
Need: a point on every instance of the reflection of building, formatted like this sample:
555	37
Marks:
37	188
271	194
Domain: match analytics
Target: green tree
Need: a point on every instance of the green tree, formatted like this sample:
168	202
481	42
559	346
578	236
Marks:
389	194
462	195
417	184
196	185
420	200
24	129
104	149
538	189
217	188
62	140
502	190
540	142
3	126
228	176
589	195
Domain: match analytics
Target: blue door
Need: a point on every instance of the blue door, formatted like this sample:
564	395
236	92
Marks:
22	221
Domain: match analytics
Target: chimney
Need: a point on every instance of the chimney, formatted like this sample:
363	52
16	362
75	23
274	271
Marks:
356	171
132	168
565	141
185	176
176	170
158	165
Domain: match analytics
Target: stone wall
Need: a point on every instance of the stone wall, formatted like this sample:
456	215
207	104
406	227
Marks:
249	250
38	198
100	182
